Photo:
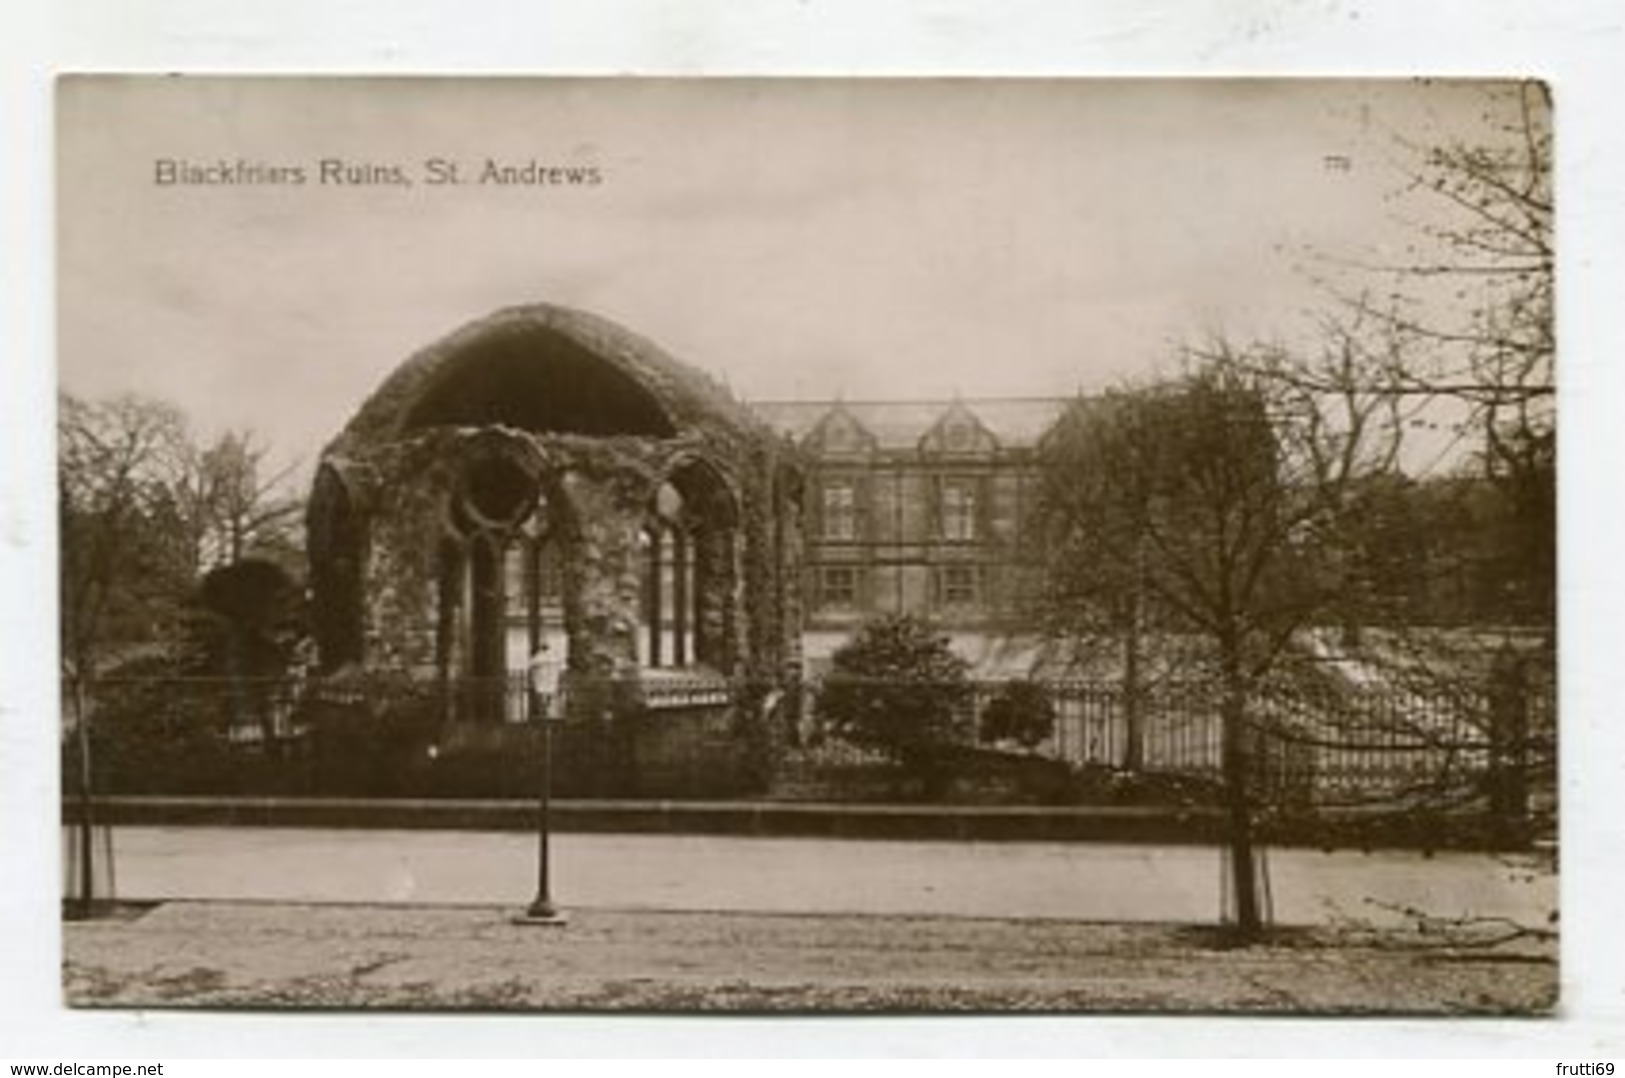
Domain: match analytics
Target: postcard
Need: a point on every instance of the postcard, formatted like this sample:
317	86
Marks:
812	545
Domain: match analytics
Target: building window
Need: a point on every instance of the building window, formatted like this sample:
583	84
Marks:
840	511
838	585
956	585
958	510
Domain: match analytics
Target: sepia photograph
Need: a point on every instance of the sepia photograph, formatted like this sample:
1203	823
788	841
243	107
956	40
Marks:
829	546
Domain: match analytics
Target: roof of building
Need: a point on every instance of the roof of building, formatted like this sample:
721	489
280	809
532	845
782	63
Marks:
1014	422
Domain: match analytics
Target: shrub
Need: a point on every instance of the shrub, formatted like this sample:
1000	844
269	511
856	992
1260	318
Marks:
370	734
896	687
1021	711
156	736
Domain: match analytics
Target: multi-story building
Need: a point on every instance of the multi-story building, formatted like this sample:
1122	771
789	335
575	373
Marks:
915	507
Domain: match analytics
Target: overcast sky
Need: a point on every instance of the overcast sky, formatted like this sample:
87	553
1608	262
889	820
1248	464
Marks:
798	239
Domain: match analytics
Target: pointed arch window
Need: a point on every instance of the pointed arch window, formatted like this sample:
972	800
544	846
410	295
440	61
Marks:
500	590
691	577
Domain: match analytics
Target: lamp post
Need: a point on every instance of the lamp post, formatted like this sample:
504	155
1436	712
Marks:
543	685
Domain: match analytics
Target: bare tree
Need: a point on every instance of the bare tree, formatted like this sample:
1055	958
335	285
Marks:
1458	330
143	515
1205	506
1466	313
122	568
238	506
119	575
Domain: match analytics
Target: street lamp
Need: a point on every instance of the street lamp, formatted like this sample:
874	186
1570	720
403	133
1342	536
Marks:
545	707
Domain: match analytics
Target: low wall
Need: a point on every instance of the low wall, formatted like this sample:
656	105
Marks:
764	818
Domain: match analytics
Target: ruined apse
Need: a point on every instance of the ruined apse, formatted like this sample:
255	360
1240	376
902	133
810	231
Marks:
545	476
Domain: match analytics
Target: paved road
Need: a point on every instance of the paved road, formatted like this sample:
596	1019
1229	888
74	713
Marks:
786	875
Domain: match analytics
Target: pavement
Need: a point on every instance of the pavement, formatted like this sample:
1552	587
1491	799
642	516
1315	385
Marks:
225	955
706	873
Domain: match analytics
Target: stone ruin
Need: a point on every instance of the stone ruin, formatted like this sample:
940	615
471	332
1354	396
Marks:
545	475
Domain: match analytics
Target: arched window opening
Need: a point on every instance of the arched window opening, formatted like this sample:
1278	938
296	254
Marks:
690	575
487	652
337	554
534	569
668	582
500	590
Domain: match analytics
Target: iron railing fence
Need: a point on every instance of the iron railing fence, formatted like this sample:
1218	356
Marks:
388	735
251	710
1310	742
245	711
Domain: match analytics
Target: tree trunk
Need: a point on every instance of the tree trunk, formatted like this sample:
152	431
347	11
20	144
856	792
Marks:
1238	808
87	889
1509	751
1133	714
1133	726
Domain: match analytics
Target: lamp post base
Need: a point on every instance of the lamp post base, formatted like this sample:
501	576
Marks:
542	912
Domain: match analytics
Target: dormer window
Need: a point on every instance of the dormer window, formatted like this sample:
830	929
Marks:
839	433
959	436
958	432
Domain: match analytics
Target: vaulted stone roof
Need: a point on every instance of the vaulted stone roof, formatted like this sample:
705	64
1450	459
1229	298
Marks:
544	367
